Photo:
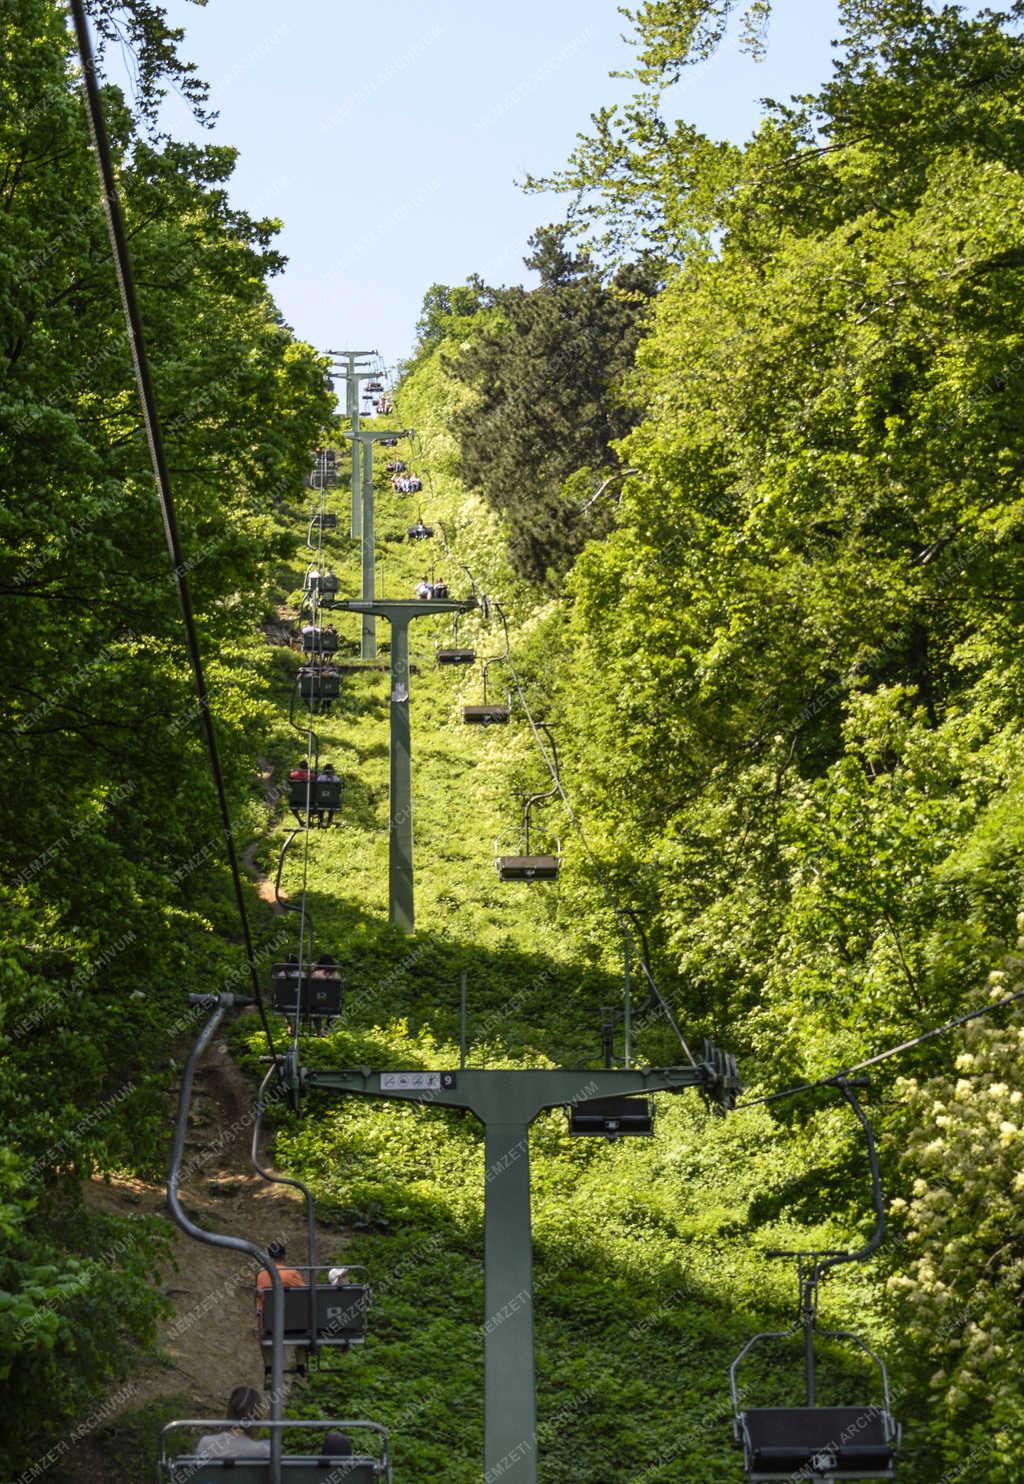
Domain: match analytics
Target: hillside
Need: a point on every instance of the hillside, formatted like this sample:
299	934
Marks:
741	479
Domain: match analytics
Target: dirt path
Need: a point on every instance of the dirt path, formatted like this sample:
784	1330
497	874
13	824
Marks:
209	1344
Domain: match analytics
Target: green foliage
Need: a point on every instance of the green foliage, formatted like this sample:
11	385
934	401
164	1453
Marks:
543	370
114	897
444	305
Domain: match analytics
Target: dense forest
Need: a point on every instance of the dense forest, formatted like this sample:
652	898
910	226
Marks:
745	470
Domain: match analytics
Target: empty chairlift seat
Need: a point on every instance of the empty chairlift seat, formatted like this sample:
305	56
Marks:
323	520
453	653
486	715
528	867
613	1117
818	1443
454	656
315	992
487	712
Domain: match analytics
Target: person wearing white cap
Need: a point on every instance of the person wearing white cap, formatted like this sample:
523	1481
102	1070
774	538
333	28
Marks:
338	1276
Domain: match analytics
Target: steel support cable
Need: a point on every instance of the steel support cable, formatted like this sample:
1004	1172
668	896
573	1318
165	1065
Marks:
161	473
873	1061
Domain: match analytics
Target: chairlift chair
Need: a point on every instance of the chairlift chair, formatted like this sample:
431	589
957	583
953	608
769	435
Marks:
613	1117
454	653
529	866
374	386
826	1444
296	1468
340	1314
319	683
325	584
420	532
488	713
319	795
313	992
323	520
320	641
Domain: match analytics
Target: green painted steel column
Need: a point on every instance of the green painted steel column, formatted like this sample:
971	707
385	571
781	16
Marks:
368	649
510	1408
353	411
400	898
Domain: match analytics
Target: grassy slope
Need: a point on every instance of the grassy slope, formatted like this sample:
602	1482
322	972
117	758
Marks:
646	1280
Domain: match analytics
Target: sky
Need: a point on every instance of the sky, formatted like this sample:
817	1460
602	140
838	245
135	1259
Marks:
388	139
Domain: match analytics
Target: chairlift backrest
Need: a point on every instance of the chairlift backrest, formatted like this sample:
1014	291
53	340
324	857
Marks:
340	1315
528	867
313	993
319	683
613	1117
822	1443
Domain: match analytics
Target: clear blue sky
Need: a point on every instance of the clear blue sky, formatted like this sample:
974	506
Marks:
388	138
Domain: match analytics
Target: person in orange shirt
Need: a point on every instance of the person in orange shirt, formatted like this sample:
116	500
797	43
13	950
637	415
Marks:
290	1277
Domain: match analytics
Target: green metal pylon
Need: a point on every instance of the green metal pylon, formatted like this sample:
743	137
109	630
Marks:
507	1102
353	377
364	440
400	612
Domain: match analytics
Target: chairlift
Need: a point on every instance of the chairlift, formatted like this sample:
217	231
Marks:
488	713
340	1313
374	386
313	991
296	1468
325	584
388	442
317	640
394	466
531	866
613	1118
454	653
323	520
822	1443
420	532
309	796
319	683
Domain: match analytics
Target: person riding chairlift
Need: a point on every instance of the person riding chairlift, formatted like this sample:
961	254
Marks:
243	1406
424	589
326	775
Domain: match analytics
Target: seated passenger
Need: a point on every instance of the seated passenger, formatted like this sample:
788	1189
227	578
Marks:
290	1277
325	967
299	774
336	1445
441	589
423	589
326	775
236	1442
338	1277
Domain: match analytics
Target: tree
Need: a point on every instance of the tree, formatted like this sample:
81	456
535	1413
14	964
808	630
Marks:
544	370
